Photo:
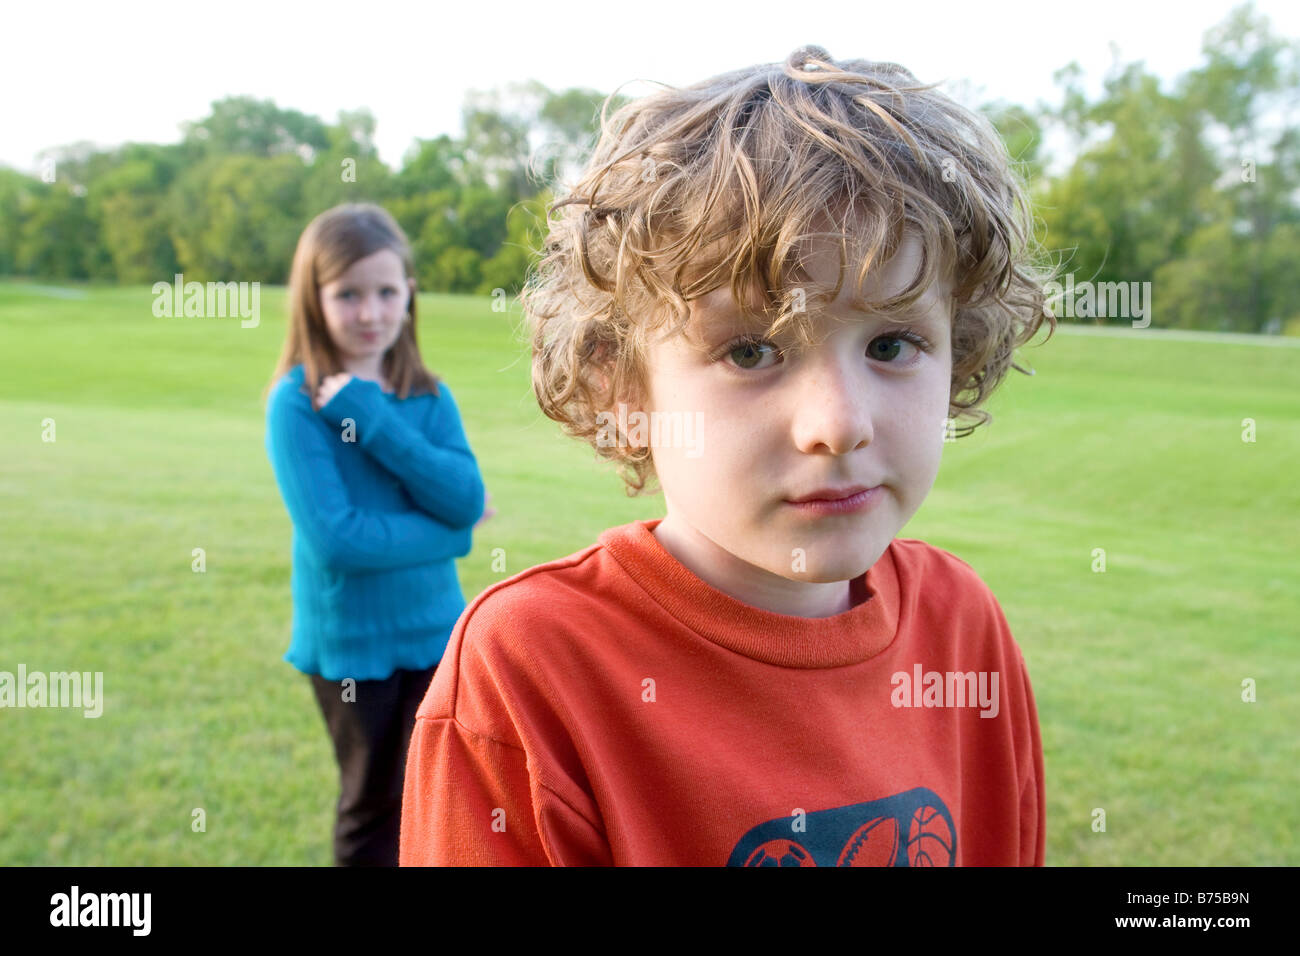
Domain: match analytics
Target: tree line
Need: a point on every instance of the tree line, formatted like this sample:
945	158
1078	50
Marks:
1194	189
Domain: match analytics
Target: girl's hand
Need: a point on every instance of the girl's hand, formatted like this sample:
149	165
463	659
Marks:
487	512
329	387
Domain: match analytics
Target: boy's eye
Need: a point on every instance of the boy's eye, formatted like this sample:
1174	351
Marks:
748	353
891	345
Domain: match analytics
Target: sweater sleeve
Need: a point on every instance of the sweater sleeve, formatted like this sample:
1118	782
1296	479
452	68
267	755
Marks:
344	537
438	471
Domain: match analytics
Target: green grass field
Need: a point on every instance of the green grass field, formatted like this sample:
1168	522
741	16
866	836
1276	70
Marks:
1131	445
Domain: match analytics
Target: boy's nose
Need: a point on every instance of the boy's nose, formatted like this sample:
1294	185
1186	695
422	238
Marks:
832	406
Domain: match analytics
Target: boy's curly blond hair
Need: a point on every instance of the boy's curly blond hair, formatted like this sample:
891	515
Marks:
728	180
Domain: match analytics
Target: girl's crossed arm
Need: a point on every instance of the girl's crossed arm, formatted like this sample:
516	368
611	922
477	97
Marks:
345	537
443	478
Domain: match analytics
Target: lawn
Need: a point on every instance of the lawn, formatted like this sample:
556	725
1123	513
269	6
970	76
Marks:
1131	445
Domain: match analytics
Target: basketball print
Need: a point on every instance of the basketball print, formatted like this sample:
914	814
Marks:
780	853
875	843
929	841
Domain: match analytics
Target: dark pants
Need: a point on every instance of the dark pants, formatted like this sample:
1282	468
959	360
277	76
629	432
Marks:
371	734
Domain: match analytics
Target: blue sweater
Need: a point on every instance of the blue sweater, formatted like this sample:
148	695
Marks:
377	523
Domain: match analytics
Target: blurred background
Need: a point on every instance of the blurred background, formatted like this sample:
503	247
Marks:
1133	506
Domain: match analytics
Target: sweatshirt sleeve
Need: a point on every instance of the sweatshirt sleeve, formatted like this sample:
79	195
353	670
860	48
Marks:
1030	809
470	800
344	537
484	784
1033	811
438	471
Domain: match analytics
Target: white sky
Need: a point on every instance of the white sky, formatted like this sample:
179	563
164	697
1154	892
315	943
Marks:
119	72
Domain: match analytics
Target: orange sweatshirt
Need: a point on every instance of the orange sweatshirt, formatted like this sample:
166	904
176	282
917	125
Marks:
612	708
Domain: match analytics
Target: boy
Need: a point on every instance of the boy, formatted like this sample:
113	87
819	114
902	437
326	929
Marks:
765	676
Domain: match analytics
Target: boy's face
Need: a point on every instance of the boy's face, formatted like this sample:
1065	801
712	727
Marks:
860	407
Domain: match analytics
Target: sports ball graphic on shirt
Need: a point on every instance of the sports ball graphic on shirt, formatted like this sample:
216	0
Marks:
780	853
930	840
875	843
913	828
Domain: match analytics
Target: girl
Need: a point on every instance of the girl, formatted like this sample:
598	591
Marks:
383	491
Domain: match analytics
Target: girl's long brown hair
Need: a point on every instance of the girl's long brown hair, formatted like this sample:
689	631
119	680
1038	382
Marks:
326	249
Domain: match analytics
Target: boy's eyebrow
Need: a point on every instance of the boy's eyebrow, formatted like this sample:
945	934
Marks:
931	316
731	321
931	308
718	326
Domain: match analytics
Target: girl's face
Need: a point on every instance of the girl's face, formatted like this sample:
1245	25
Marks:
365	308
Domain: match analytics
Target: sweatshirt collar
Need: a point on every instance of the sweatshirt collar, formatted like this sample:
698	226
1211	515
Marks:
857	634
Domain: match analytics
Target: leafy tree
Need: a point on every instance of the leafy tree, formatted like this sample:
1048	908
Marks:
1249	76
349	169
57	237
237	218
525	230
569	124
129	204
495	147
432	164
16	194
1185	188
242	125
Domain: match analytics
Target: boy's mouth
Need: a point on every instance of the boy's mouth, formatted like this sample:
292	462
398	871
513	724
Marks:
837	501
832	494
